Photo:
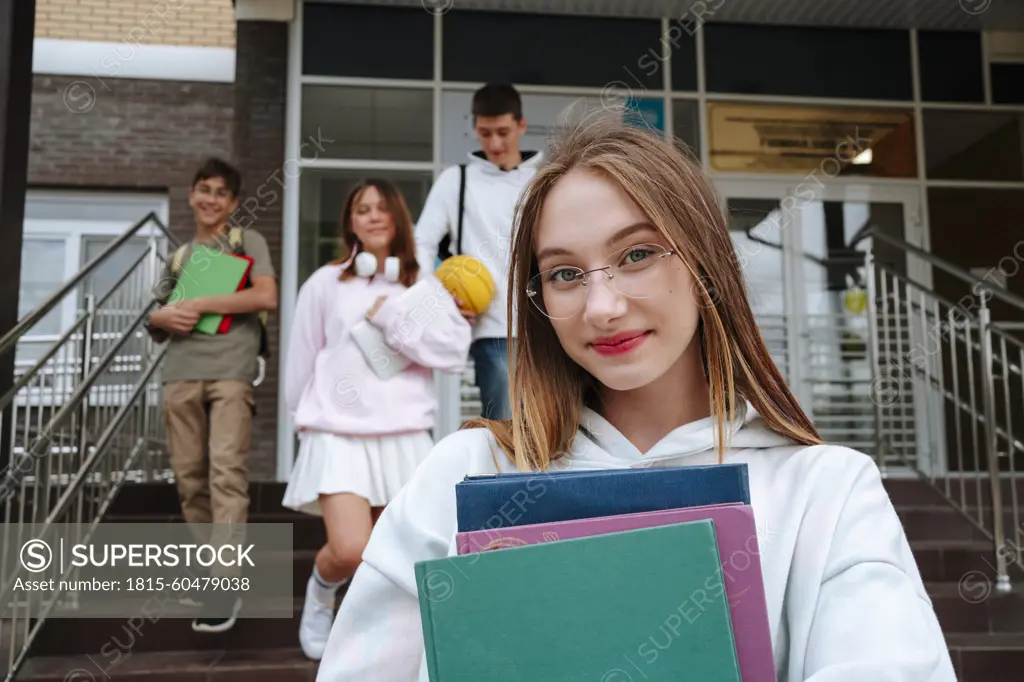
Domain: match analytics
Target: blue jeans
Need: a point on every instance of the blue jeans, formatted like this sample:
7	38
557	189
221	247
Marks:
490	364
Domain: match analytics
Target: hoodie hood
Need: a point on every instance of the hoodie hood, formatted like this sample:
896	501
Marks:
600	445
531	160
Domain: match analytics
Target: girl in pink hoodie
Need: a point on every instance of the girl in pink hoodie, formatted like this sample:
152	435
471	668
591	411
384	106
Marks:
368	333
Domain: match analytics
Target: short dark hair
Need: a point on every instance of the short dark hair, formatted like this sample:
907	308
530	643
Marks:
497	99
214	167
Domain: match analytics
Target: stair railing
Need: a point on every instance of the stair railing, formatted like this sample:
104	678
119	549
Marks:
82	419
962	372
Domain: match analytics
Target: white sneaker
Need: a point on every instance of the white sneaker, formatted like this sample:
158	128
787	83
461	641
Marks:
220	623
317	619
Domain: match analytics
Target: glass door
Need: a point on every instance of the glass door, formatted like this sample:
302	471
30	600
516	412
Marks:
838	388
762	228
802	249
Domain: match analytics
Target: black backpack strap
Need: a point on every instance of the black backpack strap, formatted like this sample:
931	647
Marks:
462	206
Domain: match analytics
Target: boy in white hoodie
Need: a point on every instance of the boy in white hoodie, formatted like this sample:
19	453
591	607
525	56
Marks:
637	347
494	178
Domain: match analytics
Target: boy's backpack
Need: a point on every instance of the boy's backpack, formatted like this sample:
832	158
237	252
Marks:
444	249
235	241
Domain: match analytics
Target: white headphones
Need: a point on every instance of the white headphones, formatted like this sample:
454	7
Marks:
366	266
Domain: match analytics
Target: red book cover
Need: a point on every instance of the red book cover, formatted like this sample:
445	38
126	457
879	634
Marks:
225	323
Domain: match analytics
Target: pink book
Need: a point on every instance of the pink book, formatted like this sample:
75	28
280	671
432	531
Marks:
737	546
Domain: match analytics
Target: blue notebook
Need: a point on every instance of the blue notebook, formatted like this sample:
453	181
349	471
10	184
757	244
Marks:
489	501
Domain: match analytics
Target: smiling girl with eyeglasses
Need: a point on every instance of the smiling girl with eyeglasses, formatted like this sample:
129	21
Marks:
637	347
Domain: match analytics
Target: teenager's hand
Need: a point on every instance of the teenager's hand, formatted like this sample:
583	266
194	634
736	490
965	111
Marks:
175	319
374	308
466	312
192	305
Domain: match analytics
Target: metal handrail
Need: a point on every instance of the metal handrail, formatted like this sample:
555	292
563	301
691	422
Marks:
944	265
990	363
73	404
105	440
974	394
876	233
67	443
11	338
29	374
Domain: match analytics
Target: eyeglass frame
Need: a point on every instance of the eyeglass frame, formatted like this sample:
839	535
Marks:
532	294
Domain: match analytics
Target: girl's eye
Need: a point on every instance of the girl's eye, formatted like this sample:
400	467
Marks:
637	254
563	275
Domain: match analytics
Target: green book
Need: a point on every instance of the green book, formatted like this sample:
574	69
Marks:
210	272
646	604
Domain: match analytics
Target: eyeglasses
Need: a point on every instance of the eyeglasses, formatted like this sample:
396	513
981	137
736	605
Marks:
561	293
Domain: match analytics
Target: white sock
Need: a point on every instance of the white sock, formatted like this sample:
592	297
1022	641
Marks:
325	591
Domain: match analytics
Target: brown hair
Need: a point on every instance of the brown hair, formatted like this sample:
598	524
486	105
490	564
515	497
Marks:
403	246
678	198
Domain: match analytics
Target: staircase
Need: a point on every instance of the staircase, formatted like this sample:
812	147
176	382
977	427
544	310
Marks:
255	650
984	628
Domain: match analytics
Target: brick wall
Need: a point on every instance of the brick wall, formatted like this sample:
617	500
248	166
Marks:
260	80
207	23
120	133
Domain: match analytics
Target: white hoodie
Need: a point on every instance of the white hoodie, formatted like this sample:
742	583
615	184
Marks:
491	196
845	599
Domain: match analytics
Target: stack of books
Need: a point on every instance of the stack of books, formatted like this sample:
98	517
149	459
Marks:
211	271
606	576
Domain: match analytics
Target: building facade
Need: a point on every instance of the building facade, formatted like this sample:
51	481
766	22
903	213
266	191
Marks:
129	97
815	123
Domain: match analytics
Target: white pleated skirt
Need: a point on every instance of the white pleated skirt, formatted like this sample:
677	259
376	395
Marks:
373	467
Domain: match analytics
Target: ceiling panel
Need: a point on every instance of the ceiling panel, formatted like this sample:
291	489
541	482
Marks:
927	14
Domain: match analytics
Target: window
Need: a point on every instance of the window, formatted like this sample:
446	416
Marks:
1007	83
394	124
43	271
322	197
107	275
973	145
682	41
552	49
975	227
367	42
810	62
64	231
950	66
831	141
544	115
686	124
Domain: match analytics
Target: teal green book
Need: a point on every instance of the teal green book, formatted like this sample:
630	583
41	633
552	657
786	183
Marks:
210	272
647	604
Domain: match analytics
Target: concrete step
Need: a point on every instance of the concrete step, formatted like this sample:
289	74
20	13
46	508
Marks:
162	498
972	606
976	657
987	657
308	532
272	664
966	492
105	638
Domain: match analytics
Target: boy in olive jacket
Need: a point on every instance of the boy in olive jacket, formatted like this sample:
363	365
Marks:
208	392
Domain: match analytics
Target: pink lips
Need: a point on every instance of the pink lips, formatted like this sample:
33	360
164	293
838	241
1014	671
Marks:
620	343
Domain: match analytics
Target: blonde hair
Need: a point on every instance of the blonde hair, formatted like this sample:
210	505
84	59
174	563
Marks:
548	389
